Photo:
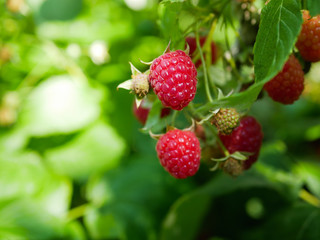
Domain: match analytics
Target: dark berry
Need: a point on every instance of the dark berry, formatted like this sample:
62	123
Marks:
247	137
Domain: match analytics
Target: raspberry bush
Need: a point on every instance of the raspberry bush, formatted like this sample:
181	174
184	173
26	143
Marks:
217	137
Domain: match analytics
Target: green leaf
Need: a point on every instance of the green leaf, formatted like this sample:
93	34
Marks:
186	215
26	218
57	106
169	21
154	122
241	101
313	7
121	206
95	150
279	27
179	224
24	175
298	222
154	115
60	10
310	173
103	226
286	181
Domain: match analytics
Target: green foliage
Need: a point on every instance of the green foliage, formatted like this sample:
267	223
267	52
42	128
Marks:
313	7
73	162
279	28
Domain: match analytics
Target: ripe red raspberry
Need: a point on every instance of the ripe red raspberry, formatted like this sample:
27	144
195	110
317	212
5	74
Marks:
173	78
193	46
179	153
287	86
142	112
308	42
247	137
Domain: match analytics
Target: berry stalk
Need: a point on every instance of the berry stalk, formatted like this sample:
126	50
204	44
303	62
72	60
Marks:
206	81
196	115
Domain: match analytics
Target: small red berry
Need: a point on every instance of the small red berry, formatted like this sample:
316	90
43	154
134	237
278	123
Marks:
247	137
179	153
287	86
193	46
173	78
308	42
142	112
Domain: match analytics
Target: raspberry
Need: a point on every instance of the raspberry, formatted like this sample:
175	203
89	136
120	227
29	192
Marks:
287	86
179	153
193	46
232	167
226	120
173	78
142	112
247	137
308	42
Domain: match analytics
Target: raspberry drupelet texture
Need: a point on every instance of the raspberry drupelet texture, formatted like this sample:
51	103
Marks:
288	85
247	137
173	78
179	153
193	46
308	42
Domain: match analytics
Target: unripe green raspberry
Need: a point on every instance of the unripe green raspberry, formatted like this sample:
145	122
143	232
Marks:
232	167
226	120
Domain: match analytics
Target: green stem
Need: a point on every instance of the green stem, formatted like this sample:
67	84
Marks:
77	212
304	4
309	198
197	115
207	48
231	61
214	131
206	81
191	27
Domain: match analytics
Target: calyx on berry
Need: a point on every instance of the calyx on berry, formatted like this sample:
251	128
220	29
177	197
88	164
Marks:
139	83
232	167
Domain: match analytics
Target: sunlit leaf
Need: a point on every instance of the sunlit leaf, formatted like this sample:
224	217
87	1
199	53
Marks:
95	150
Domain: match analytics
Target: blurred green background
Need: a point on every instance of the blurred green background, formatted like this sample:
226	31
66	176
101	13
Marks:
74	165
